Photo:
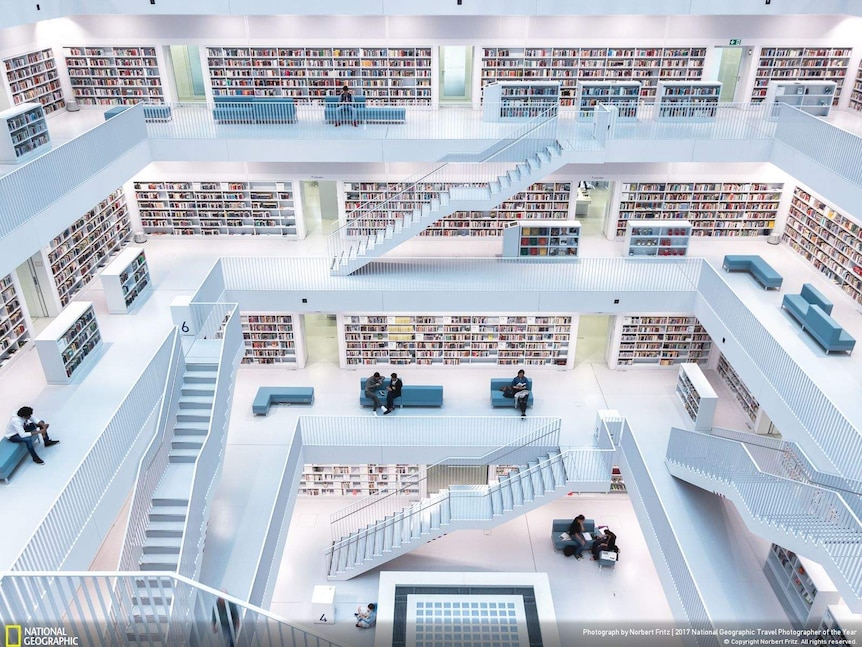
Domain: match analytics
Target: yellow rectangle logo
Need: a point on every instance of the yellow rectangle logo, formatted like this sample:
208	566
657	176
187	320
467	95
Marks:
13	635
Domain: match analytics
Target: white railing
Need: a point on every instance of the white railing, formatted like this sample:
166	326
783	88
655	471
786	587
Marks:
376	507
696	121
153	463
827	426
664	542
216	321
807	512
24	192
111	608
76	504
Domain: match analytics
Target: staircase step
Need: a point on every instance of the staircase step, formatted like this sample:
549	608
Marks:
199	377
190	442
162	546
153	597
165	528
168	513
149	633
198	389
159	562
183	455
195	402
192	428
194	415
170	502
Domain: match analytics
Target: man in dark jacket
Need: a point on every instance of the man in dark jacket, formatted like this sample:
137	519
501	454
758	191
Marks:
393	392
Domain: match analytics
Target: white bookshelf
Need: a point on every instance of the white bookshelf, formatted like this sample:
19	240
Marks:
33	78
625	95
713	208
829	240
569	65
186	208
273	339
812	97
14	333
77	254
748	403
508	100
856	91
551	239
687	100
802	586
838	625
393	74
68	341
23	132
361	480
697	396
125	280
114	75
617	482
800	64
541	201
652	341
659	238
456	340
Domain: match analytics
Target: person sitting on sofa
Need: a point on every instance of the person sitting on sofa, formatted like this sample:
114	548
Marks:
605	542
576	533
23	428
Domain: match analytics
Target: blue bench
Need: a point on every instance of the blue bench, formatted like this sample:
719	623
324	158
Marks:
798	304
11	455
756	267
560	526
826	331
412	395
269	395
254	110
151	113
497	397
361	112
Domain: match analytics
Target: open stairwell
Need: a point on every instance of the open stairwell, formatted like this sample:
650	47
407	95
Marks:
457	507
809	519
361	240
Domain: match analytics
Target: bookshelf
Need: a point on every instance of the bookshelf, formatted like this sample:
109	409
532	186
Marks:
617	482
114	75
507	100
362	480
33	78
829	240
186	208
24	132
802	586
456	340
743	396
548	239
856	93
687	100
541	201
713	208
623	94
125	280
68	341
800	64
77	253
813	97
393	74
697	396
569	65
838	625
657	237
658	340
273	339
14	334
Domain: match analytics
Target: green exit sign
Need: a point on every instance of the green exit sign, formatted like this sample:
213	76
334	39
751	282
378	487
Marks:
736	41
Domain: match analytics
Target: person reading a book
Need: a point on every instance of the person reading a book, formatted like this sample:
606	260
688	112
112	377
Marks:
606	541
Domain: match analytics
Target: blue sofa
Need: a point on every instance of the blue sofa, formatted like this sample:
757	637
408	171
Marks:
412	395
11	455
362	113
269	395
826	331
798	304
254	110
756	267
497	397
151	113
559	526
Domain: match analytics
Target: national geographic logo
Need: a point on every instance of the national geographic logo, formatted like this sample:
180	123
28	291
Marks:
16	636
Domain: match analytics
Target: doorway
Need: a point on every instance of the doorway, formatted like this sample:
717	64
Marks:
456	70
592	206
728	72
319	206
188	73
321	338
34	281
593	334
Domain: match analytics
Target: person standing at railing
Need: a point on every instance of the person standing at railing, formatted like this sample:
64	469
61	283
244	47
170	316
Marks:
24	428
392	392
345	107
226	618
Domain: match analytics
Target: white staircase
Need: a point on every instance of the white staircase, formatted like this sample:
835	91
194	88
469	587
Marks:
809	519
349	251
458	507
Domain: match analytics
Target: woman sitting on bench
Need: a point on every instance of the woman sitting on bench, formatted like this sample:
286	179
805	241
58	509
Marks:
606	542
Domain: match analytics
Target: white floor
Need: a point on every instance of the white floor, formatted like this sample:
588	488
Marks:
257	446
